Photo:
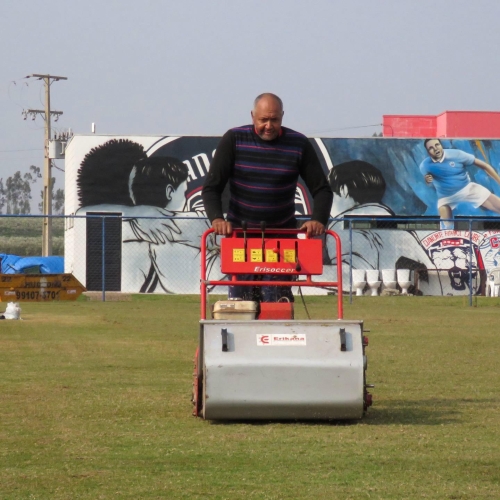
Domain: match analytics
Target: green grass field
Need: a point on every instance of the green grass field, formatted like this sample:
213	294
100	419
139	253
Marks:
95	404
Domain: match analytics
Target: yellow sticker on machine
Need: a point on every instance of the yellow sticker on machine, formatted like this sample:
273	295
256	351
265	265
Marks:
256	255
271	255
238	255
289	255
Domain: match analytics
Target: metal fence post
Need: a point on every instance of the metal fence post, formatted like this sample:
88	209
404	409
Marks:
103	271
470	262
350	263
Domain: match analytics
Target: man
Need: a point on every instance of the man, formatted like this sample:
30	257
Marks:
262	163
446	170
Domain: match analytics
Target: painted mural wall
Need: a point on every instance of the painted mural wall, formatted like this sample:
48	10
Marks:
155	184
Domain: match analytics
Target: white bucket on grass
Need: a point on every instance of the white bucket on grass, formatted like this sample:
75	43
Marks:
13	311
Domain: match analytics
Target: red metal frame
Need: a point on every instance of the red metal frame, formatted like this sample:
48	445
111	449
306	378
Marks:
307	282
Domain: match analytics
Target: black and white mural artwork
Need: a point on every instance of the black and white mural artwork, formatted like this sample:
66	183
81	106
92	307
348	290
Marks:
149	190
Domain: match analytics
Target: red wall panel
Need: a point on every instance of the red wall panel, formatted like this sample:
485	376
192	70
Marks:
470	124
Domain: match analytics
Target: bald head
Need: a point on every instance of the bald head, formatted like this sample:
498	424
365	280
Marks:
268	95
267	115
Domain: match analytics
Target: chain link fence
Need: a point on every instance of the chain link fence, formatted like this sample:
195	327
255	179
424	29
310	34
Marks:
108	252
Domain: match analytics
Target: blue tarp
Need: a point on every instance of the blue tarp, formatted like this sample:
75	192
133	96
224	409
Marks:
13	264
7	262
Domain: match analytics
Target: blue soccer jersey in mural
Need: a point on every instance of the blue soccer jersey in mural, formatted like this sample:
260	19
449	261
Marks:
450	174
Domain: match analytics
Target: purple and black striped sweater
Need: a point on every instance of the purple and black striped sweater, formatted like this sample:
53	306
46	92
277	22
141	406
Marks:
263	176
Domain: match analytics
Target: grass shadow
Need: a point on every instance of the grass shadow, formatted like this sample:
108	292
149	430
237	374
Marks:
397	412
421	412
286	422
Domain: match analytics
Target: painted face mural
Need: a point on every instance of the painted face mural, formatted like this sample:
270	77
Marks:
195	153
435	149
453	253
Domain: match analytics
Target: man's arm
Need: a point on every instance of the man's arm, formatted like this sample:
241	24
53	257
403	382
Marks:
315	179
488	169
215	182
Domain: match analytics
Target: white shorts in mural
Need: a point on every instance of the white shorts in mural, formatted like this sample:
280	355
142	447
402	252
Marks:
472	193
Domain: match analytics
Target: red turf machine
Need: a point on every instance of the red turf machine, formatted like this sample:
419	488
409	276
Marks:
254	360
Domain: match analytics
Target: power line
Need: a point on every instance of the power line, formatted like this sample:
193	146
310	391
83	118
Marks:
345	128
8	91
58	168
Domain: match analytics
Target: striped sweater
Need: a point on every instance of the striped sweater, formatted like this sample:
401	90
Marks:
263	177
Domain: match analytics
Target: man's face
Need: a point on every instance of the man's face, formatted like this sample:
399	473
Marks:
435	149
267	117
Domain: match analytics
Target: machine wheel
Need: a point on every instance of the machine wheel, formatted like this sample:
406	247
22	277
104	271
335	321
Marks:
367	397
197	387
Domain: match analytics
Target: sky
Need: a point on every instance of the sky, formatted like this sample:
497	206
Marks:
193	67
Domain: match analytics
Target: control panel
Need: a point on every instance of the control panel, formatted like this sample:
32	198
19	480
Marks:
276	255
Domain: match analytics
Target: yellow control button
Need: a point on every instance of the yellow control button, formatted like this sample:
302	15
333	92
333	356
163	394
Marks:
289	255
238	255
256	255
271	255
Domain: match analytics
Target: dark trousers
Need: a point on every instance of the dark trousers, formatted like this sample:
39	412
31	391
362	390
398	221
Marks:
261	293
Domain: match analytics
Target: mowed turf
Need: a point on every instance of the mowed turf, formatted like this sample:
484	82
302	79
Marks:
95	404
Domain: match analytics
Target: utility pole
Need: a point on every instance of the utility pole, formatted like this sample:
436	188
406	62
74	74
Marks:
47	167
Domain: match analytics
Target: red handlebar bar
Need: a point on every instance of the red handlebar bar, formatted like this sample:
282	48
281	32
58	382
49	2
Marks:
308	282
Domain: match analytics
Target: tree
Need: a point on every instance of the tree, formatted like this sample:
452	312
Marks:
18	194
57	199
15	194
58	202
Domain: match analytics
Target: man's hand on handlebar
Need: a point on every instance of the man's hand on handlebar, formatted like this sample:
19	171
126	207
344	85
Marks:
313	228
222	227
225	228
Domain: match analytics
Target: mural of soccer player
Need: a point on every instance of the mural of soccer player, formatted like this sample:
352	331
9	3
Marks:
358	190
445	169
